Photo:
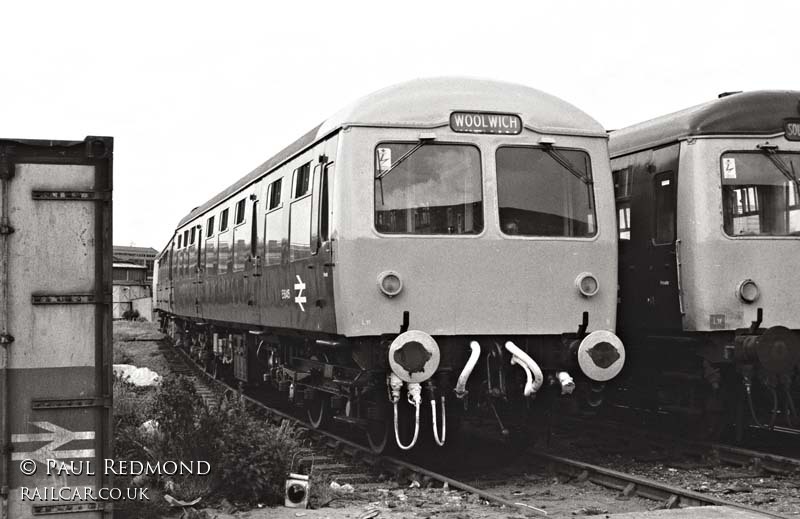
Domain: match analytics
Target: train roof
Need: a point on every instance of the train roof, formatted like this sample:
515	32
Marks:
760	112
427	103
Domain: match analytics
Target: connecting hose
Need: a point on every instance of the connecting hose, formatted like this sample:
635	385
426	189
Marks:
414	398
750	403
534	375
439	442
461	385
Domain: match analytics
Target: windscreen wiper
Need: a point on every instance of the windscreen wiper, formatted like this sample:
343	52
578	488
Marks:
403	157
787	170
566	164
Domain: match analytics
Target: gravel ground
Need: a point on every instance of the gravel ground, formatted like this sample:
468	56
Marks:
738	484
558	500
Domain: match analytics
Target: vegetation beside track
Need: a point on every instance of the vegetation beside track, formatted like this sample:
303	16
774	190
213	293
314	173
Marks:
248	459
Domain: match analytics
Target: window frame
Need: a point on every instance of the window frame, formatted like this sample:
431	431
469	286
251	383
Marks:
243	204
210	226
270	188
591	237
225	212
309	186
720	177
410	142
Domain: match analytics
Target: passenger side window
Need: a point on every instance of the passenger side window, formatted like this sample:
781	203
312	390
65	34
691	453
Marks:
239	212
223	221
275	194
664	185
210	227
302	177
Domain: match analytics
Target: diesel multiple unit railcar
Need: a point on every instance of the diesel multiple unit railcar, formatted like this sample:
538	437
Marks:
55	327
708	203
436	238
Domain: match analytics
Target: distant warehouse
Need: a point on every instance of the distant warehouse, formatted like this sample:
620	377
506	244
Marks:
145	256
133	278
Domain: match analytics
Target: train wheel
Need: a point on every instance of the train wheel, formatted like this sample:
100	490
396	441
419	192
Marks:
379	436
319	410
380	427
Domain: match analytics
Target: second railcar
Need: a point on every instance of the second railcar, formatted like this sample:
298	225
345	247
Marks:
436	238
708	203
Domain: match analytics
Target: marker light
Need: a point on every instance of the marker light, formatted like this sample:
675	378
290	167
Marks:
748	291
390	283
587	284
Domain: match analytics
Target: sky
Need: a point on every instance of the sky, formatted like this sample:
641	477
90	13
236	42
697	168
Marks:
197	94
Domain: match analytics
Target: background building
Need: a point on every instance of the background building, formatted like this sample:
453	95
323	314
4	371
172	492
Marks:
145	256
133	280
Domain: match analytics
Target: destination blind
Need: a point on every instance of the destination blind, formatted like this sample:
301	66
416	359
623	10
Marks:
483	122
791	128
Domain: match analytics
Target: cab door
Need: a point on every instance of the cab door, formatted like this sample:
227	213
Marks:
322	244
663	307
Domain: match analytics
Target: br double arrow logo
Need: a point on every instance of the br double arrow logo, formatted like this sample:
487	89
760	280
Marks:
300	298
56	437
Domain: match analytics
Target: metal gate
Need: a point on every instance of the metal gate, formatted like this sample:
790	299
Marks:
55	323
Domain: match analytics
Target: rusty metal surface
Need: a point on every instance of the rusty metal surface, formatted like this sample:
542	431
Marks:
55	303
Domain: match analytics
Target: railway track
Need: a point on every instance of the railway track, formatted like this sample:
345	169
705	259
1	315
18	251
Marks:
342	453
765	461
629	485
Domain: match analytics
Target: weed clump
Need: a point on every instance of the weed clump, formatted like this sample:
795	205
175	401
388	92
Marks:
248	458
